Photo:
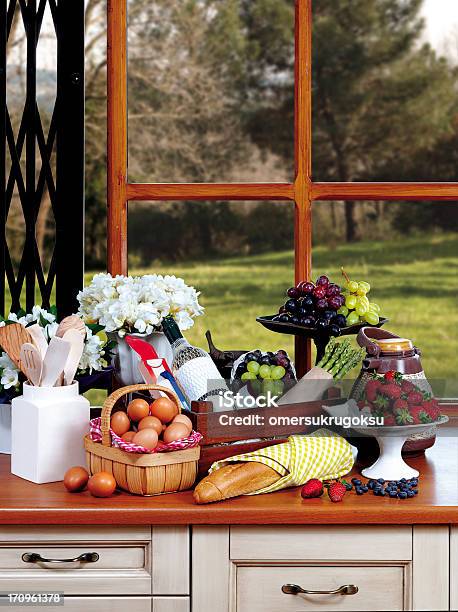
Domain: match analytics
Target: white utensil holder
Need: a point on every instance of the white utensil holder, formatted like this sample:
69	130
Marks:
48	426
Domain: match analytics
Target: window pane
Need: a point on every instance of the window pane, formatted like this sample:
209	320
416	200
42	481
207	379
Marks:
238	255
384	90
210	90
409	255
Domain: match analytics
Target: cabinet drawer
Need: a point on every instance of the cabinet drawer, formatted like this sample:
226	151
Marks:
96	604
120	569
387	543
171	604
259	589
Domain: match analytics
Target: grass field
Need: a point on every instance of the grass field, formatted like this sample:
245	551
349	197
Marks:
415	281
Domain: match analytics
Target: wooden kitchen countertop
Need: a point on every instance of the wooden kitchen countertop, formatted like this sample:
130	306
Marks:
22	502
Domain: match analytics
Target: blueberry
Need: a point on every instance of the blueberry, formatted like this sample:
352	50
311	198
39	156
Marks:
376	491
359	491
393	493
365	488
410	494
356	481
294	321
348	486
414	482
402	495
382	493
322	324
284	318
370	484
403	480
381	480
415	491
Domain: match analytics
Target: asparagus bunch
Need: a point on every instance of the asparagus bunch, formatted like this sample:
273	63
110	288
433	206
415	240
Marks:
339	358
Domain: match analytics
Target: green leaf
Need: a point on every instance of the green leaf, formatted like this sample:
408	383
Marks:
21	313
95	327
53	310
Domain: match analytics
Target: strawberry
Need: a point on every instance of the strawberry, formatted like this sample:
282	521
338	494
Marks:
312	488
415	398
336	491
381	402
372	386
407	386
400	404
390	375
419	414
403	417
432	409
392	390
389	420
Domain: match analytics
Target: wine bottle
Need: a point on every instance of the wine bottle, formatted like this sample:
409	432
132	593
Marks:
193	368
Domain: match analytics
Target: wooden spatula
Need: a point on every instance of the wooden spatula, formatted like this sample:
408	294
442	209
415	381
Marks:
38	338
71	322
12	337
54	361
32	363
76	340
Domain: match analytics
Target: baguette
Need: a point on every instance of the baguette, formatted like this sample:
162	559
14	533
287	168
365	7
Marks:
233	480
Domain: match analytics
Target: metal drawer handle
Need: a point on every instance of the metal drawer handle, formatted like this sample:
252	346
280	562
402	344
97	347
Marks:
295	589
89	557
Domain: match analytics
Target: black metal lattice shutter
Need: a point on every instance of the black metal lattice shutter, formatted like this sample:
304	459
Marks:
43	157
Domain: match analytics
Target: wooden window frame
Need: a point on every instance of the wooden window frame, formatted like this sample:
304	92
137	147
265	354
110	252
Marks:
303	191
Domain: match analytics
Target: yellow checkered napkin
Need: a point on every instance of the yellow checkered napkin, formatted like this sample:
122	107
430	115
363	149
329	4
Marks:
322	455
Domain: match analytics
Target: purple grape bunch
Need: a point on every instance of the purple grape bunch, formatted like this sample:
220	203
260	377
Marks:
314	305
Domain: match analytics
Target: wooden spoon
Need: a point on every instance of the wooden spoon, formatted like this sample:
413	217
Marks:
71	322
12	337
32	363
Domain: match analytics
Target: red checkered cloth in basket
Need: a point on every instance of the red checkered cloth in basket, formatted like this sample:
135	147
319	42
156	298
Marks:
189	442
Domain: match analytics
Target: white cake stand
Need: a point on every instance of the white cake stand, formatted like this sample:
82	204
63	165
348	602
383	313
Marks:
390	465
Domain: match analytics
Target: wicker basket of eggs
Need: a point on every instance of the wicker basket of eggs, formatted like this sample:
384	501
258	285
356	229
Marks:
150	449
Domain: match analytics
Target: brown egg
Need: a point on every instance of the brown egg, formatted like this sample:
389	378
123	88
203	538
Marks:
75	479
151	422
101	484
175	431
182	418
120	423
147	438
138	409
164	409
128	436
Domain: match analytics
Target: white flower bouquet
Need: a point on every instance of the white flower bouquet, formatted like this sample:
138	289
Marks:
138	304
95	355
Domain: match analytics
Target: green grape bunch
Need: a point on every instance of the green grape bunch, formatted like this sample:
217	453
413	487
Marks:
357	307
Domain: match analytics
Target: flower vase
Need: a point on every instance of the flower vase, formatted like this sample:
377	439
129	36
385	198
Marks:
125	360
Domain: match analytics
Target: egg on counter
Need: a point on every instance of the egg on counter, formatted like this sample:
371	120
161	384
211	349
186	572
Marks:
75	479
138	409
164	409
175	431
120	423
102	484
147	438
151	422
